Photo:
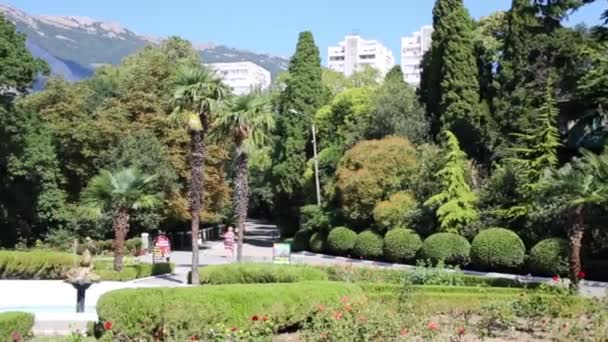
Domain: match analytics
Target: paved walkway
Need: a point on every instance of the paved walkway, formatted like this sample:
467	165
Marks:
257	247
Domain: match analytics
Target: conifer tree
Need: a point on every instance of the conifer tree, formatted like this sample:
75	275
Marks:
302	97
456	202
450	85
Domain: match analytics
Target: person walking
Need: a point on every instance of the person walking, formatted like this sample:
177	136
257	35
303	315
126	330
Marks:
229	238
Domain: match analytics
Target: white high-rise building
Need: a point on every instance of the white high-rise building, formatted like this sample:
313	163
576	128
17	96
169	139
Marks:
354	53
242	77
412	50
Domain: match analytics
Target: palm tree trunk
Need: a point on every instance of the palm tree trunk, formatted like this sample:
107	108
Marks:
575	237
241	197
121	227
197	167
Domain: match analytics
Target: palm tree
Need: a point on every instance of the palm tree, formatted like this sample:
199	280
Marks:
119	193
247	122
584	183
197	93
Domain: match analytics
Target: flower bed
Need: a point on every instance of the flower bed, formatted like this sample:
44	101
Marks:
195	311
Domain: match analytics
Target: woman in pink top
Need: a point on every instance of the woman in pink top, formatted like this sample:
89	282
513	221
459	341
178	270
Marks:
229	242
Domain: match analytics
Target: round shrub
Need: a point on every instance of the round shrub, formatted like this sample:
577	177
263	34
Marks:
318	242
301	240
497	249
20	323
368	245
394	212
452	249
401	245
550	257
341	241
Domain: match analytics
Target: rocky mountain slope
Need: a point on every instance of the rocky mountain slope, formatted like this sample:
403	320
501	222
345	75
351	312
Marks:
74	46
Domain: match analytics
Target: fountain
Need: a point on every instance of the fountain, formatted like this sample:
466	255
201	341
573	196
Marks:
82	278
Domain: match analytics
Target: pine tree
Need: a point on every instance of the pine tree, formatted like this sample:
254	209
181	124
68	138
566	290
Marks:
302	97
450	85
457	201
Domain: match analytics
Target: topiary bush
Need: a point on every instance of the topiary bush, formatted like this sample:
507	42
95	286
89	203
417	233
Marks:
15	326
193	311
394	212
35	264
401	245
368	245
259	273
550	257
318	242
450	248
301	240
498	249
341	241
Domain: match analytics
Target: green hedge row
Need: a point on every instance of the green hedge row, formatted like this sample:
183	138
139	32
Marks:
50	265
259	273
15	326
192	311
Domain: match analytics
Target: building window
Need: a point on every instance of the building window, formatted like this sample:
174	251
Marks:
370	56
336	58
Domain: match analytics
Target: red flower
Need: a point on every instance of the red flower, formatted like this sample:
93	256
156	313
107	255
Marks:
348	307
320	307
234	329
404	332
581	275
265	318
107	325
255	318
460	331
345	299
194	338
16	337
433	326
323	335
555	278
338	315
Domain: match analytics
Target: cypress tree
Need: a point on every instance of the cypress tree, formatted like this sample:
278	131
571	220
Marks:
450	76
302	97
456	201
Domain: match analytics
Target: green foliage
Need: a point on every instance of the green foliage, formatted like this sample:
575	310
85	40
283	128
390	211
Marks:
456	201
368	245
549	257
341	241
450	248
20	323
498	249
442	275
301	240
401	245
370	172
131	271
314	218
259	274
395	212
195	310
318	242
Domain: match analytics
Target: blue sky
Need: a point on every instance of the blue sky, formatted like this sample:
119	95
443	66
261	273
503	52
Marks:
272	26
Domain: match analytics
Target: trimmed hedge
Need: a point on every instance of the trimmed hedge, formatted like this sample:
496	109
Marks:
453	249
50	265
301	240
259	273
368	245
401	245
318	242
189	311
550	257
498	249
18	323
341	241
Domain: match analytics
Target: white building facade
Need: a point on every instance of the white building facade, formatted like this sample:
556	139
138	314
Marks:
354	53
412	50
243	77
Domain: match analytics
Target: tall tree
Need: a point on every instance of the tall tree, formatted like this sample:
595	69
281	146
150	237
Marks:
197	94
248	122
456	202
119	193
450	80
302	97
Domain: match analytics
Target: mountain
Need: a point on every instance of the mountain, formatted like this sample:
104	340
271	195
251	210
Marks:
74	46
